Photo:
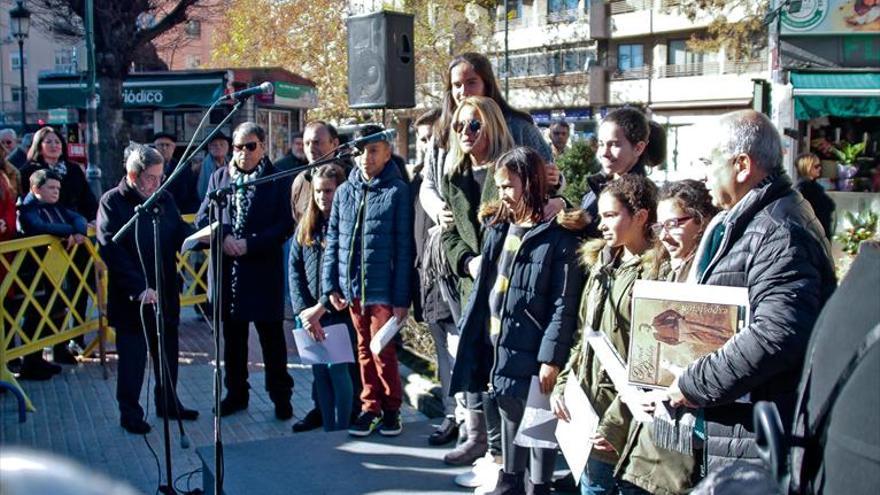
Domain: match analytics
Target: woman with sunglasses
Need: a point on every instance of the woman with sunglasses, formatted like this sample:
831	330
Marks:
809	168
479	136
254	228
683	212
470	74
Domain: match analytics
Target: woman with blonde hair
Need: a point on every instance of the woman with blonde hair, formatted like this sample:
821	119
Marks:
479	136
809	169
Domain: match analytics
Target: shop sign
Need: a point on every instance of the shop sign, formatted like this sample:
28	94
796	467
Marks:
295	95
142	97
61	116
824	17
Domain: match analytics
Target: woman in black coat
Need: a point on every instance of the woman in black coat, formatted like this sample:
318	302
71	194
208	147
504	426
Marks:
809	169
254	228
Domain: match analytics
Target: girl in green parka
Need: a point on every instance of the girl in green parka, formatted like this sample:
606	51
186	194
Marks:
627	252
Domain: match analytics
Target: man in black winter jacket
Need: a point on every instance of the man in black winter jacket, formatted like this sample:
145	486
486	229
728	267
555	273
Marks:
769	241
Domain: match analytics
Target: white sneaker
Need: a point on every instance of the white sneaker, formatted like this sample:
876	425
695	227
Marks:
477	475
487	475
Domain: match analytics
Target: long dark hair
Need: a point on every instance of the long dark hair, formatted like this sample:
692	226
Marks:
637	127
313	218
483	67
35	154
527	164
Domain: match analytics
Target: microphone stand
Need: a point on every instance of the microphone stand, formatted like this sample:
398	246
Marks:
150	207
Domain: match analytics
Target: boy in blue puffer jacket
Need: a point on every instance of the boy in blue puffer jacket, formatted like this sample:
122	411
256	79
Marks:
367	267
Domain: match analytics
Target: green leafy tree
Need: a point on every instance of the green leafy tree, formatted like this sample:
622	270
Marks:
577	163
737	25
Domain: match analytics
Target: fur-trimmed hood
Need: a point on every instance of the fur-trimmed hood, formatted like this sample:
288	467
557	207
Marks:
574	219
653	261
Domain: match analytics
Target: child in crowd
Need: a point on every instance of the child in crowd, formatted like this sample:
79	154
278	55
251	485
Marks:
368	263
39	214
627	252
333	384
522	315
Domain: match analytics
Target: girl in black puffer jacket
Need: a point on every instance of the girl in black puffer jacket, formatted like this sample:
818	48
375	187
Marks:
527	290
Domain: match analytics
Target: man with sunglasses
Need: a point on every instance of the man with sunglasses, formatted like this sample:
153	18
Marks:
14	154
768	240
254	226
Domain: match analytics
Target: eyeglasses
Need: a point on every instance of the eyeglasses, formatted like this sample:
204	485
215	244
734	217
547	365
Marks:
673	224
251	146
473	126
7	141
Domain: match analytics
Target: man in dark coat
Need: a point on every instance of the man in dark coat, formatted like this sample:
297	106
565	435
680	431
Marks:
254	227
132	287
770	242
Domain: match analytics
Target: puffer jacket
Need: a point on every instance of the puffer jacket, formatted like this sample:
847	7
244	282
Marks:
539	310
37	217
606	306
304	279
774	245
595	184
375	265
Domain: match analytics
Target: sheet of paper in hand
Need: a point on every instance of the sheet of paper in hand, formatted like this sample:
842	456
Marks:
384	335
335	348
572	435
538	426
615	368
675	324
200	236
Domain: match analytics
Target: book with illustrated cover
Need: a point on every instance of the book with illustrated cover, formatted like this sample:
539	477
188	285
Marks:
675	324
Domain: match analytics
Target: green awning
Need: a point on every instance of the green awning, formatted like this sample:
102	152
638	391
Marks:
838	94
295	95
138	91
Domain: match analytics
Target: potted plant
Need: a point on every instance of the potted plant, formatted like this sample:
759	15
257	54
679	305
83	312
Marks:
862	226
846	158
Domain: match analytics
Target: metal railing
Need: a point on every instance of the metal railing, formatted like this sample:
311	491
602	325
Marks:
51	294
626	6
642	72
688	70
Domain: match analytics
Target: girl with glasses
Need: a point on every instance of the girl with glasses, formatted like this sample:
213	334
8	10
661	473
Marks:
684	211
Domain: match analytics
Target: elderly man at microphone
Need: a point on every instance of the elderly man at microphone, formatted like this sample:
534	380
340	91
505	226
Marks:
366	268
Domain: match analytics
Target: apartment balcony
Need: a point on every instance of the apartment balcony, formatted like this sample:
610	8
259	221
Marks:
709	84
628	18
533	29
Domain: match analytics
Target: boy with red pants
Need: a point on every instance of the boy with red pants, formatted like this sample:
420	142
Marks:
367	268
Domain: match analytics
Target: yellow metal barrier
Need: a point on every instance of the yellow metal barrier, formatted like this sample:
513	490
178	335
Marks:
48	297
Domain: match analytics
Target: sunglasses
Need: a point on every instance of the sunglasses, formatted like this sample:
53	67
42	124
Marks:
669	225
473	126
250	146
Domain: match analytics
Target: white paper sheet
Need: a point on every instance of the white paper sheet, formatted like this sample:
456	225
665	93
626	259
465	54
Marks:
384	335
201	235
335	348
616	369
538	426
573	435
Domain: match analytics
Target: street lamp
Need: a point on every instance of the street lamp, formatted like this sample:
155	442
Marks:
19	25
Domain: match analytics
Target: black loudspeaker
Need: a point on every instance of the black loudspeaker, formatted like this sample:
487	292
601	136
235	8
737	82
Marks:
381	67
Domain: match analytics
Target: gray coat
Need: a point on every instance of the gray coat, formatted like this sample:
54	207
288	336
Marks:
774	245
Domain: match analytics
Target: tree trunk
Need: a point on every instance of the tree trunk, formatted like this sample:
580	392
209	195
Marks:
113	131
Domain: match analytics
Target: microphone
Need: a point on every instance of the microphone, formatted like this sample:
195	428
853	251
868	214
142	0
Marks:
360	143
263	89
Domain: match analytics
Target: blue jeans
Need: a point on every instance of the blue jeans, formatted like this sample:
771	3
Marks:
334	389
598	479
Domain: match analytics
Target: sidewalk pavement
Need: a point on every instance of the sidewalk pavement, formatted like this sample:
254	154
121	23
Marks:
77	414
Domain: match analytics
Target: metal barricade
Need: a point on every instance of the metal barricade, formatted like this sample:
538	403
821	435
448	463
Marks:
51	294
